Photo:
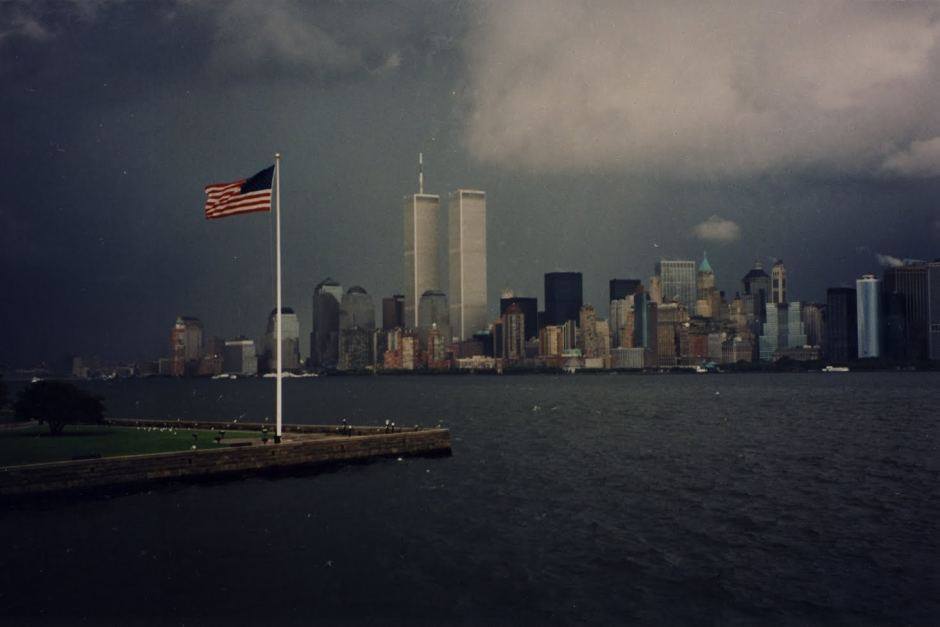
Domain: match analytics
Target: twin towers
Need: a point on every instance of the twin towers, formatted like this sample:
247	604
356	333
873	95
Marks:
466	229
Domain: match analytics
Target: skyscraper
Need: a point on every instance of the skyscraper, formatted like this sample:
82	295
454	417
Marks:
841	325
933	309
467	237
868	305
356	310
421	212
621	288
356	324
513	329
433	311
708	299
324	338
910	281
813	323
393	312
290	340
239	357
778	282
530	309
678	279
757	282
563	297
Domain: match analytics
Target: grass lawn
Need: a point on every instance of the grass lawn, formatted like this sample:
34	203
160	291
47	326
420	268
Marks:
33	445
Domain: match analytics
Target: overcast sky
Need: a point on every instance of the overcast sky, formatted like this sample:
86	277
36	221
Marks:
606	135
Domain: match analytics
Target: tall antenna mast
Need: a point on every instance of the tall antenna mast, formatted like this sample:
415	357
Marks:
420	172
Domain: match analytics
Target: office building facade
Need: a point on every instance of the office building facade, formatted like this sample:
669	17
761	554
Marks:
841	325
677	281
421	227
530	309
324	338
563	297
868	307
467	262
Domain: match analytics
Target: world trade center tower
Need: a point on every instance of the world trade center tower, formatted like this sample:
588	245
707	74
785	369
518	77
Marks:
467	248
421	228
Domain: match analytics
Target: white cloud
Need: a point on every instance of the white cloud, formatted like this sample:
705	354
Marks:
701	88
889	261
922	158
717	229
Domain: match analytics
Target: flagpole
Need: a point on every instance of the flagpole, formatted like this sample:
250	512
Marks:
277	219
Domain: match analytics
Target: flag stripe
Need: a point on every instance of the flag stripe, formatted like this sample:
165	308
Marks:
242	196
264	201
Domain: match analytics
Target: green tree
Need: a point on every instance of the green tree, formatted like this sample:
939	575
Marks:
58	404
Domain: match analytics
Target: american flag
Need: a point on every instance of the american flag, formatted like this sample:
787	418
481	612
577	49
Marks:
242	196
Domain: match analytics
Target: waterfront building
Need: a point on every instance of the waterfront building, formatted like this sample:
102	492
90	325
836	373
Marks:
641	319
895	340
551	342
624	288
324	338
355	349
670	320
678	279
409	350
602	338
357	326
783	329
290	341
569	336
477	362
778	283
177	362
433	311
910	281
799	353
563	297
841	325
868	306
467	246
813	323
590	342
185	346
933	310
422	214
356	311
621	322
627	358
393	312
437	349
737	349
715	343
240	357
530	308
513	328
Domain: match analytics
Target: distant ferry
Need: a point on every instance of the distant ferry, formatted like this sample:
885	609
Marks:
836	369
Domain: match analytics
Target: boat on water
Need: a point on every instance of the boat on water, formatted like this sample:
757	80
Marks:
836	369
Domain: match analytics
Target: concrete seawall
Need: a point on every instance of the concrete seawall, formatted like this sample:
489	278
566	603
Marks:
291	453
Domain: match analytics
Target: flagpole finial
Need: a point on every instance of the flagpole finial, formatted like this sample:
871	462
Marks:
277	155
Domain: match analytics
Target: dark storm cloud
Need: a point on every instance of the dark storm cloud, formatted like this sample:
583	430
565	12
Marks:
605	134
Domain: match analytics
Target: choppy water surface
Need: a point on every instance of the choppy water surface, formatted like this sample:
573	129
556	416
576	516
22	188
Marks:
733	499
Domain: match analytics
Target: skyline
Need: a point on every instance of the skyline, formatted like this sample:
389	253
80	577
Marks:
103	239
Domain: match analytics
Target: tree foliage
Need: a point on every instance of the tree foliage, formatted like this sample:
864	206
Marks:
58	404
